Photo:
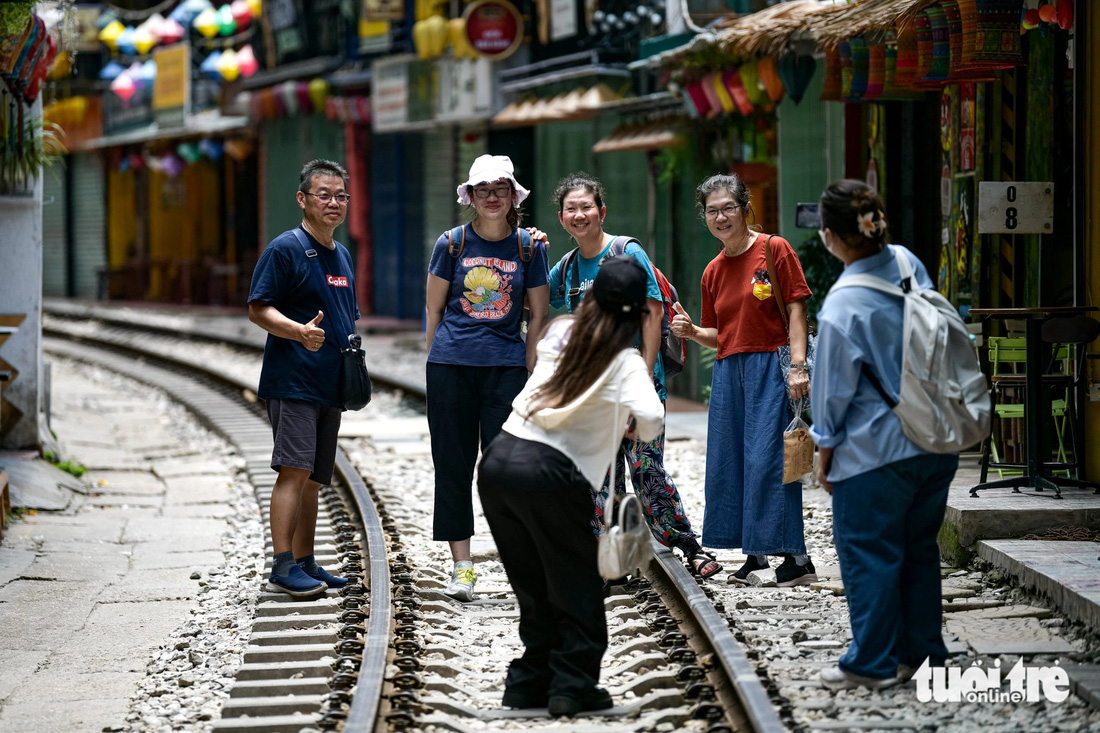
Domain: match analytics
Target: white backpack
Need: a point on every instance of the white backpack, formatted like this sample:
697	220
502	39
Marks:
945	404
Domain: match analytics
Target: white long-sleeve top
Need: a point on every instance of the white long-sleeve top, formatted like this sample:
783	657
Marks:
586	429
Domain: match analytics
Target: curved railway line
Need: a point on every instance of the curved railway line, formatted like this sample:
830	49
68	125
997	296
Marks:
352	661
393	653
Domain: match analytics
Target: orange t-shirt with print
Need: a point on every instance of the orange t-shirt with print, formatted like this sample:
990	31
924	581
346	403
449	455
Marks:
738	300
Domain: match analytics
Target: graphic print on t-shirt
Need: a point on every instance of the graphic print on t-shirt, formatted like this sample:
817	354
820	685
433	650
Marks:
761	286
488	293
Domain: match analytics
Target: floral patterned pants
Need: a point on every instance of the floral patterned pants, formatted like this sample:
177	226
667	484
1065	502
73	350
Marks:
664	511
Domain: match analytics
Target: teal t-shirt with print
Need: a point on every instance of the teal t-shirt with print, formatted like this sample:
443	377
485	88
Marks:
587	267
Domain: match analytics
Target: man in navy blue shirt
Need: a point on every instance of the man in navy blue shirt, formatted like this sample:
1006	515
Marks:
303	295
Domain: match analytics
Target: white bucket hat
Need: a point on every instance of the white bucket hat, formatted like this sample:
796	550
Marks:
489	168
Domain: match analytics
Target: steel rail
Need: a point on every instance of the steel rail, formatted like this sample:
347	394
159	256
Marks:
366	703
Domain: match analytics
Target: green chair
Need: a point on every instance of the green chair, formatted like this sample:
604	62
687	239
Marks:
1007	357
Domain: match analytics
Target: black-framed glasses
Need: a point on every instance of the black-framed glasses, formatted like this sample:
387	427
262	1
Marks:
727	211
324	198
500	192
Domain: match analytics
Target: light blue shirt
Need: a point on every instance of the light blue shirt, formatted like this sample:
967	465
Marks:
586	272
859	326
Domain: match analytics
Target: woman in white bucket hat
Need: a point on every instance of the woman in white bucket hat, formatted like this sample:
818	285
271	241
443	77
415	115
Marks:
479	275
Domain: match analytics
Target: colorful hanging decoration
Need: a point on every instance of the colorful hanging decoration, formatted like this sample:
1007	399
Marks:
125	41
941	45
768	71
242	14
110	33
212	149
757	96
698	98
123	86
876	72
210	65
861	61
246	61
111	70
318	93
206	23
796	72
740	96
227	24
832	89
997	32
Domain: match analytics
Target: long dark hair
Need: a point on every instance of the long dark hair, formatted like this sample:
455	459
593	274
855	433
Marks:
843	205
597	338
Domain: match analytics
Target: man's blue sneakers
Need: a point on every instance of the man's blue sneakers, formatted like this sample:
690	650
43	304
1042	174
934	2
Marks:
296	584
319	573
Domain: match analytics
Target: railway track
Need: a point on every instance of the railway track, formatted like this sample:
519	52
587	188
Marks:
378	657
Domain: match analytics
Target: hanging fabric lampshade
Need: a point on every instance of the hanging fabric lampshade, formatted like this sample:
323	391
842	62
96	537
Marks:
238	148
924	47
125	41
959	71
111	70
831	91
210	65
242	14
227	24
713	103
698	98
725	99
123	87
147	74
757	96
997	33
143	41
740	96
206	23
908	56
318	93
876	72
256	6
288	93
268	104
301	96
212	149
169	32
110	33
941	43
860	55
172	165
228	67
796	72
189	152
246	61
767	69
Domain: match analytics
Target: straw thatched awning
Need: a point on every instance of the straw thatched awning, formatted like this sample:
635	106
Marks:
774	29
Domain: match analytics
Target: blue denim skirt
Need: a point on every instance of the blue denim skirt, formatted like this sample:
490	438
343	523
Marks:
748	505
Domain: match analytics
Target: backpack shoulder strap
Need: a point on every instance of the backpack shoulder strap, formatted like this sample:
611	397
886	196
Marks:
526	244
618	246
300	235
863	280
773	280
563	271
459	234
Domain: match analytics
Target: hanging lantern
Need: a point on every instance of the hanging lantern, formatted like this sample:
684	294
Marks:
123	87
169	32
751	80
246	61
189	152
1065	14
876	72
269	104
740	96
997	33
845	50
206	23
715	105
242	14
110	33
172	165
210	65
860	69
111	70
460	45
796	72
227	25
767	69
125	41
318	93
698	98
212	149
228	66
136	161
288	94
238	148
941	43
908	57
301	96
143	41
437	34
958	70
147	73
831	90
256	6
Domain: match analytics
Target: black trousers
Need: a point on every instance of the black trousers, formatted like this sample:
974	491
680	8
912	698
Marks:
465	404
539	508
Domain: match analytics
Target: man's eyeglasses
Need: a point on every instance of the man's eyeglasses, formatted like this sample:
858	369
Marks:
500	192
727	211
324	198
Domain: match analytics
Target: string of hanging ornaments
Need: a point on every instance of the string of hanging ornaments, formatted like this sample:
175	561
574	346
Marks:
222	32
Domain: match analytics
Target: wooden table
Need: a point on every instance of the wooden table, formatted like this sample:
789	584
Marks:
1038	353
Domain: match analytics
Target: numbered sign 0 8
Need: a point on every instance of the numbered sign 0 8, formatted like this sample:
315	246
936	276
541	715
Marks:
1015	208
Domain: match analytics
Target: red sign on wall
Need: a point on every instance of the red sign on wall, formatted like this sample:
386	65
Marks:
494	28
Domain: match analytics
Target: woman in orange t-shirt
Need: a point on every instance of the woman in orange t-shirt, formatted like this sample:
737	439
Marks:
748	505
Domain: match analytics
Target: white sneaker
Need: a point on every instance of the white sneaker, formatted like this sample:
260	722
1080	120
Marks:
463	579
836	678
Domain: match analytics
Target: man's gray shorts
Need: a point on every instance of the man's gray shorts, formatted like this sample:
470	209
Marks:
305	437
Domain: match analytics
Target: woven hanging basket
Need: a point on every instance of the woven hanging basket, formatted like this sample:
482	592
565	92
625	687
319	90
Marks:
876	71
997	33
845	50
924	49
860	62
831	91
959	71
907	57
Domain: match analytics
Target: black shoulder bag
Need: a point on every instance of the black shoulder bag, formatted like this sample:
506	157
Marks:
355	386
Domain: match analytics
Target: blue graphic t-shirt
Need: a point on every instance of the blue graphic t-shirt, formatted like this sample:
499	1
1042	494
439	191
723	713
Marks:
481	323
586	272
298	286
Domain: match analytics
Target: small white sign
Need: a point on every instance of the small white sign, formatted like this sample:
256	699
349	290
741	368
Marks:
390	96
1011	207
563	19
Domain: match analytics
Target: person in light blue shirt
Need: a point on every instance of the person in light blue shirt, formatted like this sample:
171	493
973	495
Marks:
889	495
581	212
